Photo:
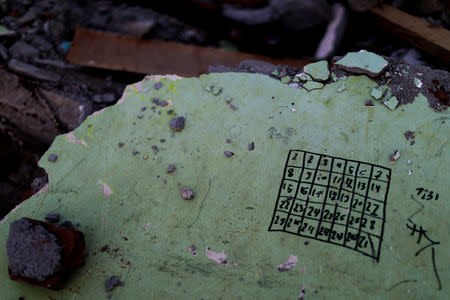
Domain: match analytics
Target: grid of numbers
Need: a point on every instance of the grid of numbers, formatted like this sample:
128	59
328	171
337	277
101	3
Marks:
334	200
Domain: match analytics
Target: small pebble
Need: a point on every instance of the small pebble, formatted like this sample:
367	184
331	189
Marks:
228	141
170	112
156	101
171	168
164	103
251	146
143	108
369	103
135	152
52	217
140	116
228	153
52	157
177	124
162	140
121	144
187	193
158	85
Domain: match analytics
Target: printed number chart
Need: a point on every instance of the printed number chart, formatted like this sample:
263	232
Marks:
334	200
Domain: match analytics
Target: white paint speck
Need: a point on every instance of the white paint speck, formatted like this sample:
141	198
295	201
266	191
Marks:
289	264
409	172
218	257
293	109
106	190
71	139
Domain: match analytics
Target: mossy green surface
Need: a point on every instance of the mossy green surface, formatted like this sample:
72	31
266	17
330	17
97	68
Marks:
130	203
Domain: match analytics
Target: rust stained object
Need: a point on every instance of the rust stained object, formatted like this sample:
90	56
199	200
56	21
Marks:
435	40
118	52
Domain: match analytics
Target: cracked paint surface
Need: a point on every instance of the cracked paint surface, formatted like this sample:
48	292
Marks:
152	259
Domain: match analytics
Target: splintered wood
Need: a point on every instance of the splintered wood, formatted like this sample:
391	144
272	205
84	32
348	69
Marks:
117	52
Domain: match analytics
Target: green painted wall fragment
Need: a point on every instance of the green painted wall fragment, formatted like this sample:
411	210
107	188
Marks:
312	85
391	103
318	70
363	62
376	93
5	31
217	245
285	79
342	87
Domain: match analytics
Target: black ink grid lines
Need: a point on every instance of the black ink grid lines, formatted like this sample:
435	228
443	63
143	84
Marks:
334	200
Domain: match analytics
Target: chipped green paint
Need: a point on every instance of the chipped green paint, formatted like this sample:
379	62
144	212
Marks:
342	87
364	62
285	79
304	77
275	73
334	77
376	93
391	103
296	79
312	85
318	70
169	248
5	31
418	83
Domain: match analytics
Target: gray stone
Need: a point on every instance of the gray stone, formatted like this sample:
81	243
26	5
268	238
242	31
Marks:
32	251
23	51
67	110
31	71
294	15
106	98
3	53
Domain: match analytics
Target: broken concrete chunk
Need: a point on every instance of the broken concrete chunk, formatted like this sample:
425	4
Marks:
362	62
318	70
342	87
391	103
177	124
376	93
31	71
187	193
3	53
26	258
312	85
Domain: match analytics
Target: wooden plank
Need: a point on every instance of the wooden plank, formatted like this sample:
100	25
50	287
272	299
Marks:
119	52
434	40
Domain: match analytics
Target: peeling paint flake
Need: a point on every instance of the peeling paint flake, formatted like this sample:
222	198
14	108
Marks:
218	257
363	62
106	190
417	82
312	85
391	103
289	264
376	93
318	70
